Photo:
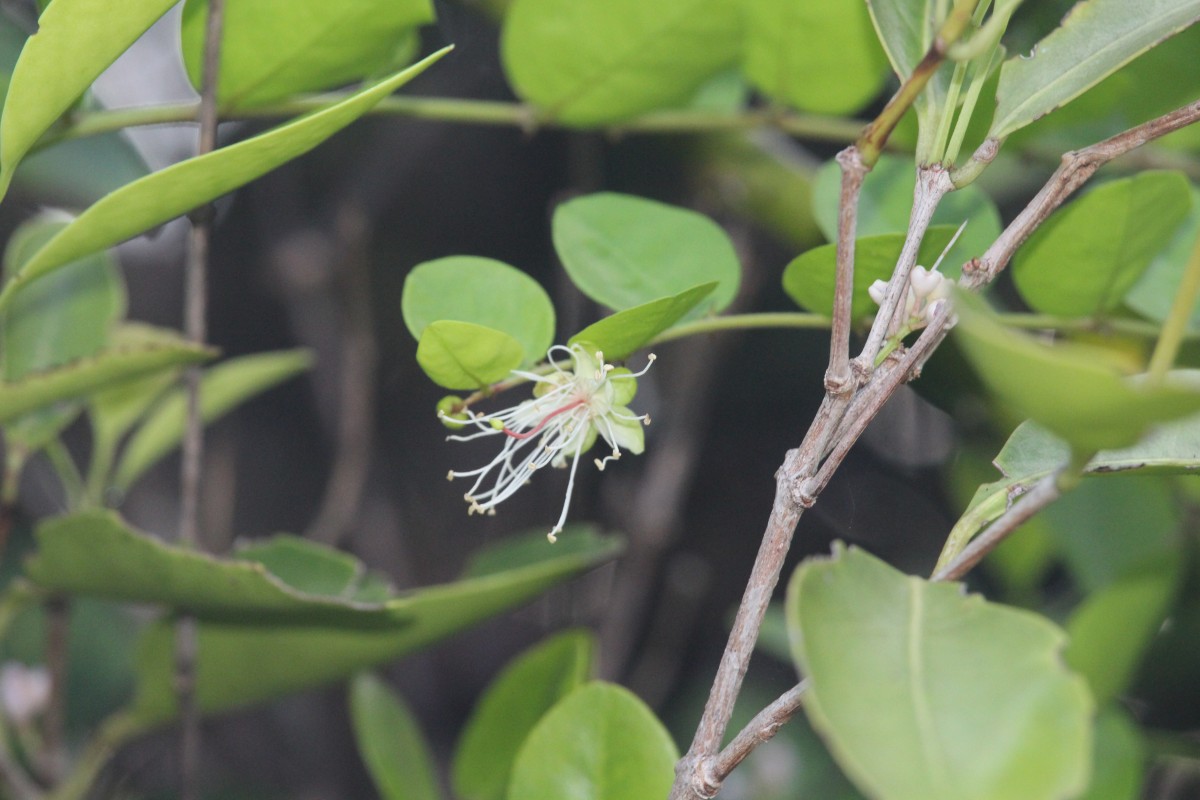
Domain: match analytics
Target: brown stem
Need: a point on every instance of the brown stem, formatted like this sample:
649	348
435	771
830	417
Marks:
838	378
58	622
761	729
195	330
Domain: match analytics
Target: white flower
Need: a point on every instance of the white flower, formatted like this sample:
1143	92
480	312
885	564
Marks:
578	401
926	289
24	691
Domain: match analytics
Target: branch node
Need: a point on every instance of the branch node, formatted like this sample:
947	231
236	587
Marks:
706	782
840	385
804	493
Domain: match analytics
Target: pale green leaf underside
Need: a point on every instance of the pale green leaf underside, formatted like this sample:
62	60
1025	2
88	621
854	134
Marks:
924	693
1095	39
619	335
462	355
390	742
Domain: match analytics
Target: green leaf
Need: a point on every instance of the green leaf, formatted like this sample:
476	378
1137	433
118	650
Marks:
273	49
619	335
461	355
816	56
178	189
223	388
907	29
885	203
1032	453
246	664
77	172
59	320
600	743
1112	628
811	276
85	376
594	63
75	42
925	693
1095	39
142	569
1117	758
481	291
1154	293
1084	259
623	251
390	742
1068	388
512	705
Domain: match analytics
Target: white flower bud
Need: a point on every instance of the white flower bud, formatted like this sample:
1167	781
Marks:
24	691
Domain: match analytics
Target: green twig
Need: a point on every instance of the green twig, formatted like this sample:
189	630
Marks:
1175	327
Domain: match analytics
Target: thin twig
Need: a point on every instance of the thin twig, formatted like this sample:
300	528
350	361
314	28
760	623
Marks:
58	622
761	729
195	330
854	170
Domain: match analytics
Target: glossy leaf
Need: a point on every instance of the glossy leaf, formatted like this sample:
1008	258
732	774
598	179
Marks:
223	388
85	376
139	568
1094	40
593	63
1084	259
811	276
461	355
922	692
482	291
1068	388
600	743
885	203
391	743
512	705
273	49
1112	628
246	664
178	189
623	251
75	42
1154	293
1118	758
814	55
622	333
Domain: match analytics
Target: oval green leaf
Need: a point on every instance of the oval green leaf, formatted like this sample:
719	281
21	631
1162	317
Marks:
461	355
1068	388
620	334
390	742
623	251
811	276
223	388
1094	40
1118	759
76	41
1154	293
182	187
482	291
816	56
600	743
512	705
273	49
924	693
593	63
1084	259
885	203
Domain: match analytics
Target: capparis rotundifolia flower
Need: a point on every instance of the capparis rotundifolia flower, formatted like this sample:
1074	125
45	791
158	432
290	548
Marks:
579	400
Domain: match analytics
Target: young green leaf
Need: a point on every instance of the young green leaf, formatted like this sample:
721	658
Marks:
600	743
481	291
816	56
623	251
390	742
75	42
810	277
1095	39
223	388
1154	293
1086	257
1069	388
462	355
923	693
593	63
273	49
512	705
178	189
620	334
